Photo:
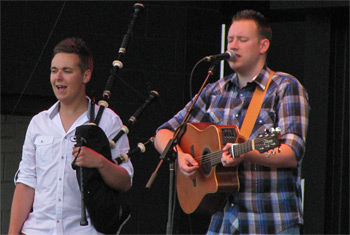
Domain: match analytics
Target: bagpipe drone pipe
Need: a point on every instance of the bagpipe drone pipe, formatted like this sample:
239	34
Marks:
107	211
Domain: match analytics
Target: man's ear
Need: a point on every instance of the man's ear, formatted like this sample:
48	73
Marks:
87	76
264	45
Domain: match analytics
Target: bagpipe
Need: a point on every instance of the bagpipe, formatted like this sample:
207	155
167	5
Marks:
108	213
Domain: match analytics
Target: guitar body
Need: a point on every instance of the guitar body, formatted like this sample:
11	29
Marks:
208	192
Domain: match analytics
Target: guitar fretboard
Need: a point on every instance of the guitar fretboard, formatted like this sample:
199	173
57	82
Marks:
242	148
215	157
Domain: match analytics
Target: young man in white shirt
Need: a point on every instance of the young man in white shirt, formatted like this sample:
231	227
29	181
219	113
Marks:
47	196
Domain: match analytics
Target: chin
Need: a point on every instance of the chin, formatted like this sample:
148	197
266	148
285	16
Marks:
234	67
60	98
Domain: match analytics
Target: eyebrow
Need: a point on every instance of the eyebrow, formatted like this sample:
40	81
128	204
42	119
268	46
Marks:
239	37
66	67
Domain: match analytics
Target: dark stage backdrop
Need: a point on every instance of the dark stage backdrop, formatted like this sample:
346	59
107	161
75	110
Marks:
168	39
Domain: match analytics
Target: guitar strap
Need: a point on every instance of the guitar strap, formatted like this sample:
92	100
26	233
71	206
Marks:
254	109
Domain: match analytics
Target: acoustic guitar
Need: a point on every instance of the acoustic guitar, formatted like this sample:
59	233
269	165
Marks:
208	192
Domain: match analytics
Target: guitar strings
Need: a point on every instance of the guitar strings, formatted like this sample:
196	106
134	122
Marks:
210	156
239	149
217	155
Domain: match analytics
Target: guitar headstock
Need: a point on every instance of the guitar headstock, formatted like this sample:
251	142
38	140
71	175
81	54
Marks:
270	139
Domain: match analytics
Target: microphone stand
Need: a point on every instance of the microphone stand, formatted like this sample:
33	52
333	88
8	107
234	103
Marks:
169	149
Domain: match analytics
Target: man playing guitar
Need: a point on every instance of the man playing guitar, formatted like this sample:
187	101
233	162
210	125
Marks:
269	196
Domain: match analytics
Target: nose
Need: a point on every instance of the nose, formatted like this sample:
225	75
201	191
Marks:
57	75
232	45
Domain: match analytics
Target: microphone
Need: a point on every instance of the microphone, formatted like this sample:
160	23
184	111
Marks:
152	97
228	55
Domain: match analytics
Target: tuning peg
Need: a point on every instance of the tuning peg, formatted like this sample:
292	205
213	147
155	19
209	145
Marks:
279	150
278	129
267	154
273	152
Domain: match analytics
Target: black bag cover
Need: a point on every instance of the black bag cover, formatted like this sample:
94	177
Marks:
106	210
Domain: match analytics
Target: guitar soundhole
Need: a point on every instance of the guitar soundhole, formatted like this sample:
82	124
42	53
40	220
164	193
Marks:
206	162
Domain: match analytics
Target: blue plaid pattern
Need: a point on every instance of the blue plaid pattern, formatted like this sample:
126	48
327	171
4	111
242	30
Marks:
269	199
226	221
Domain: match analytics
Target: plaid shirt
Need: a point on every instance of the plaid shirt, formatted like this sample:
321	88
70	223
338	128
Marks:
269	199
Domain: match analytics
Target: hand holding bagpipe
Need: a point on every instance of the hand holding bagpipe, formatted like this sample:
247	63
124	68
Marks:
101	201
95	194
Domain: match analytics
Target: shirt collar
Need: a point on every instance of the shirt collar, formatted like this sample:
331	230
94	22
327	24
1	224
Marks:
261	79
53	111
231	82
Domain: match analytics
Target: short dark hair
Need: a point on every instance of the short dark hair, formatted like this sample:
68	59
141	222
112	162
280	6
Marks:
76	46
264	28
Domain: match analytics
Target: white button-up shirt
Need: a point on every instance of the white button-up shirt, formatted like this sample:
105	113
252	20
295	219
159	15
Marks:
46	167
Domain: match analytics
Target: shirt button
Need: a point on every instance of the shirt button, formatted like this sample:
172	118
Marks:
62	157
57	221
59	199
241	95
237	115
260	121
60	179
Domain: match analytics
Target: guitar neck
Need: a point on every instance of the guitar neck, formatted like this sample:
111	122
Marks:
238	149
263	143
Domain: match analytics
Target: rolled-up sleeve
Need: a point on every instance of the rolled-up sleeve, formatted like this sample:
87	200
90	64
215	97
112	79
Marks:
27	172
294	115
